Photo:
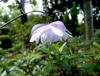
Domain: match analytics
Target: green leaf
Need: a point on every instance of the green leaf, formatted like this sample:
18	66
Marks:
16	73
66	66
48	68
88	66
44	49
62	47
4	73
34	2
96	45
56	47
1	69
36	57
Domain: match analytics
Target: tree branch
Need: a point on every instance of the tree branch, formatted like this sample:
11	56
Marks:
20	16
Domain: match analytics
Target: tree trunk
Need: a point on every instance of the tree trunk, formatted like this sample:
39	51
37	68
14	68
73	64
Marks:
87	4
22	7
21	4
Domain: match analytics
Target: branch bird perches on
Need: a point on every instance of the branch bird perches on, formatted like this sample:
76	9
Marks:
21	15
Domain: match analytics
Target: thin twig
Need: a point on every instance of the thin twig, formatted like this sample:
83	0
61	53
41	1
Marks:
20	16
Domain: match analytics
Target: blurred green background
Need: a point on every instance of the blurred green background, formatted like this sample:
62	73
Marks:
73	57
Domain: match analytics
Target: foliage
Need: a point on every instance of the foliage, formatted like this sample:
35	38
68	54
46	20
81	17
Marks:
5	42
3	16
72	23
73	57
57	9
96	18
4	31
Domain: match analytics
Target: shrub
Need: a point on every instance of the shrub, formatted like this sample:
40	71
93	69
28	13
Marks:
5	42
4	31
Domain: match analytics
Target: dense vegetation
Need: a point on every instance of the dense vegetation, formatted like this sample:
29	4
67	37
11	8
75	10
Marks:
72	57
